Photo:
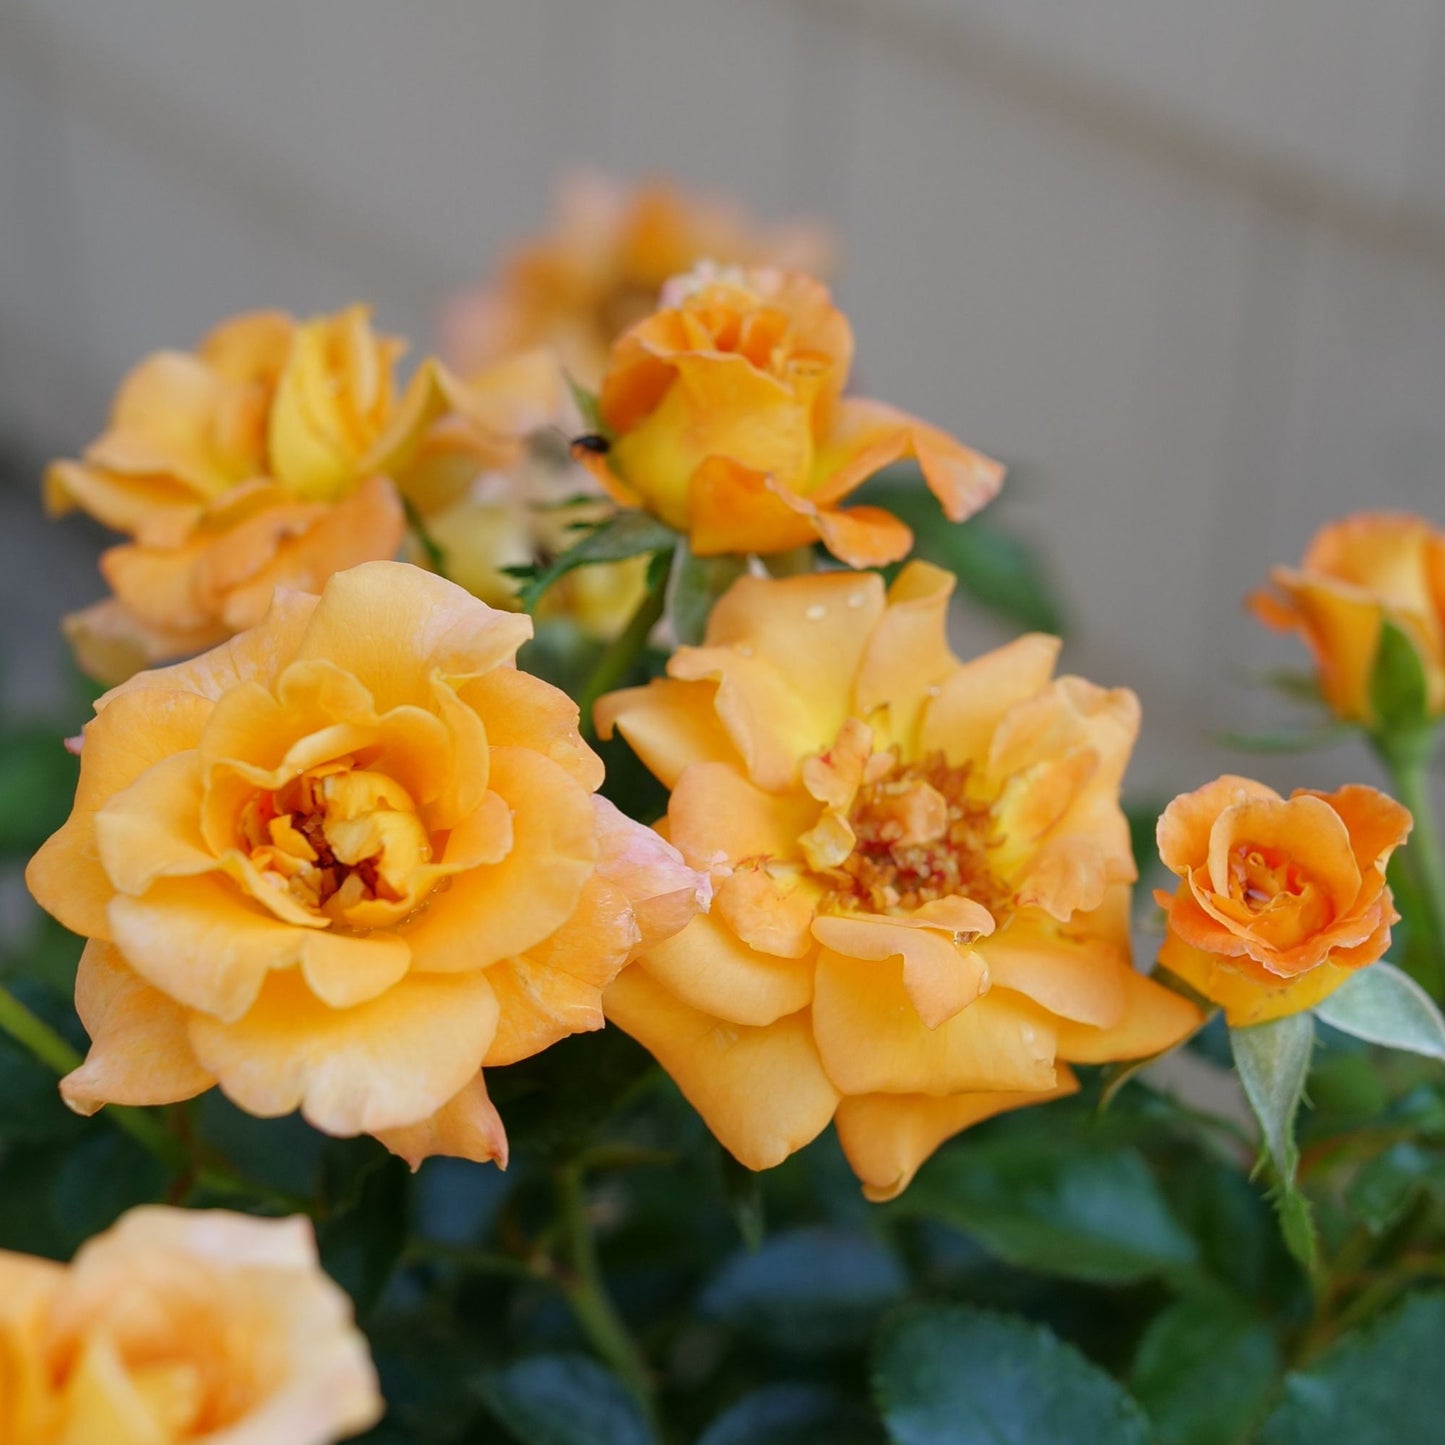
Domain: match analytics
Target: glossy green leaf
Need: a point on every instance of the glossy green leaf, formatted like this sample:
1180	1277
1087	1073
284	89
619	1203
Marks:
793	1414
1205	1370
629	533
1385	1006
37	783
564	1400
364	1233
807	1291
1383	1189
1381	1385
1091	1213
957	1376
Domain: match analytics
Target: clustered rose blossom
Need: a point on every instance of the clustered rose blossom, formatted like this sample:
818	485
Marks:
1279	901
726	418
182	1325
920	875
342	863
600	267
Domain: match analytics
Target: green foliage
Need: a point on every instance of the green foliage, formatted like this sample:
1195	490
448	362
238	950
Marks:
564	1400
796	1414
626	534
956	1376
1383	1005
1383	1386
996	568
1080	1208
1399	692
697	584
1205	1369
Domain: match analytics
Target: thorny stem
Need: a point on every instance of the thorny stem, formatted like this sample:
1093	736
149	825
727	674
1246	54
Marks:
586	1292
1407	761
624	649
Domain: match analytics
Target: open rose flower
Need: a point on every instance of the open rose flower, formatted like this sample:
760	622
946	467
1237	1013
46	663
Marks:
342	862
600	267
1357	574
264	458
179	1325
726	418
1279	901
920	868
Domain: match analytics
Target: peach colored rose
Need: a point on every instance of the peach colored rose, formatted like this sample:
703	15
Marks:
726	418
264	458
600	267
341	863
178	1326
1358	573
920	868
1279	902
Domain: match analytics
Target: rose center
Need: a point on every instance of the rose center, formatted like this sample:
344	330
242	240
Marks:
919	836
1259	875
338	838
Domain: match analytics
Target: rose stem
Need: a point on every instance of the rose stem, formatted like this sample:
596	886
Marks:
624	649
1407	760
586	1291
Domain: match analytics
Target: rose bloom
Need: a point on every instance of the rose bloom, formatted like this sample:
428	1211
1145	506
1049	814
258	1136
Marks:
341	863
496	488
920	868
1356	574
264	458
600	267
1279	902
182	1325
727	420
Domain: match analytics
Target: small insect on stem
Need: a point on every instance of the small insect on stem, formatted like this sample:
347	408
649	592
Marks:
591	443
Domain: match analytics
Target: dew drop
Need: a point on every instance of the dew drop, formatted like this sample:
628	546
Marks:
816	613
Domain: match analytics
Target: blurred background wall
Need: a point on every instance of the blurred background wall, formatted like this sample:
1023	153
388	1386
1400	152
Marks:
1181	264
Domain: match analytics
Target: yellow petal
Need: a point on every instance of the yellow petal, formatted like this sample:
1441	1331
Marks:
1154	1019
971	702
466	1127
668	724
385	1064
709	968
872	1040
139	1050
762	1091
885	1137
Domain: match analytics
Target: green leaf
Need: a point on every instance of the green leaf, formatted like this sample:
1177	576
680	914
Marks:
744	1191
957	1376
1383	1189
627	534
792	1414
1399	692
586	403
1381	1385
807	1291
363	1237
1383	1005
1273	1062
1205	1370
1086	1213
564	1400
998	569
697	584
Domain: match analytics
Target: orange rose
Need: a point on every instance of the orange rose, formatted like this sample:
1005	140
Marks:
342	862
262	459
601	266
179	1325
727	420
1279	902
921	875
1357	573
